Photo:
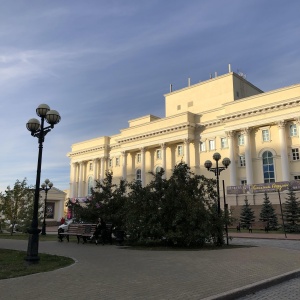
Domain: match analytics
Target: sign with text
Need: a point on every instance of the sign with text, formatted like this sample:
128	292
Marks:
263	187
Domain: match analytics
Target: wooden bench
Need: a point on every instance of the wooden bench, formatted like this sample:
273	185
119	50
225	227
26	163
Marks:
73	230
88	232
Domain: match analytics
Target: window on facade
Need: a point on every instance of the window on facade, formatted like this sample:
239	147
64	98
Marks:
178	107
265	135
110	162
242	161
91	166
295	154
243	182
293	130
90	185
138	175
139	157
268	167
158	154
190	103
179	150
202	146
241	140
297	177
224	143
117	161
212	145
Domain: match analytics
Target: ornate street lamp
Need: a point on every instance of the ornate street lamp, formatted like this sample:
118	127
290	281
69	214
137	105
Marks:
38	130
46	186
217	170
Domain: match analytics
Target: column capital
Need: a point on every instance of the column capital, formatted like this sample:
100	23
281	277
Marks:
186	141
163	146
142	149
281	124
230	134
246	130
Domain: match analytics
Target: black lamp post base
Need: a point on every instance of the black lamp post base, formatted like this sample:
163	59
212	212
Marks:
33	246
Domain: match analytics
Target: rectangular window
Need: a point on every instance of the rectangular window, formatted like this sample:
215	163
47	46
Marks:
242	161
190	103
224	143
293	130
265	135
138	157
117	161
243	182
158	154
179	150
295	154
178	107
241	140
297	177
91	166
212	145
202	146
110	163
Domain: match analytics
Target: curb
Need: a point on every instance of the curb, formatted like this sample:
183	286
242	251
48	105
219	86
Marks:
255	287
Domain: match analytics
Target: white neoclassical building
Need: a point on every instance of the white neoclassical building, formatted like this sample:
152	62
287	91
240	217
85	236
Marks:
258	131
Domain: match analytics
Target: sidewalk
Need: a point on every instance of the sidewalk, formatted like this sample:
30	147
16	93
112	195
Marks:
264	235
112	272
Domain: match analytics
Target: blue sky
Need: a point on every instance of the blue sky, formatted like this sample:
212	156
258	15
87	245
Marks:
87	59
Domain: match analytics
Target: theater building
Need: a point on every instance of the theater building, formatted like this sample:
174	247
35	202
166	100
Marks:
257	130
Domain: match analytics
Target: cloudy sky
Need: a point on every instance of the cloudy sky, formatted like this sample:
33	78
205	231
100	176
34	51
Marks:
101	63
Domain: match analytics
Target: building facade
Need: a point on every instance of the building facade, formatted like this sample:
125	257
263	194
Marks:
258	131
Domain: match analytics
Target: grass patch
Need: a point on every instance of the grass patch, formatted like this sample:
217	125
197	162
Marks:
12	263
24	236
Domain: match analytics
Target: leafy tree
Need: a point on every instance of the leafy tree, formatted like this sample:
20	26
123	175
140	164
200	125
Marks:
291	212
16	205
267	214
180	210
247	214
107	202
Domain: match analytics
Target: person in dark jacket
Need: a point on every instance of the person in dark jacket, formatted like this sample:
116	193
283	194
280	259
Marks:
100	231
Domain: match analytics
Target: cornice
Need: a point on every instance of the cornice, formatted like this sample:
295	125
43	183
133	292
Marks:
88	150
175	128
256	111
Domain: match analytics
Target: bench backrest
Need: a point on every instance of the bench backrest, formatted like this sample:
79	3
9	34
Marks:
75	228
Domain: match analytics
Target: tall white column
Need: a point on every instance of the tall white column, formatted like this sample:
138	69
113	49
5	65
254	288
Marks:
73	180
187	151
124	165
143	165
102	168
285	166
232	166
95	173
248	157
163	158
80	183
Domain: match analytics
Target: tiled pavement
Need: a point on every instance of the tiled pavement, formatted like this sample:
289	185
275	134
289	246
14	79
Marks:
112	272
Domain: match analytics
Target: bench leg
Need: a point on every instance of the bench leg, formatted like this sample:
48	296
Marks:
67	238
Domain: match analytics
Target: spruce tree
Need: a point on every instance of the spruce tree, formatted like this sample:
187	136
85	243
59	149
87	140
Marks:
292	212
247	215
268	215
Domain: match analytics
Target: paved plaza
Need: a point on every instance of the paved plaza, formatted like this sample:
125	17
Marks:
112	272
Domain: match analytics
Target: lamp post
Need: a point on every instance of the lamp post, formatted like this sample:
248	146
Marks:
38	130
46	186
217	171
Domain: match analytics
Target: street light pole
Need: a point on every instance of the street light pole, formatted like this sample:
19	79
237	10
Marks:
217	170
46	186
38	130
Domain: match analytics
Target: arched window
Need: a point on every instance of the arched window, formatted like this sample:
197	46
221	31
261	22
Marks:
90	185
268	167
138	175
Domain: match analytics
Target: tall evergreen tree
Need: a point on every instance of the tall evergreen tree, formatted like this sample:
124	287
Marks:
247	214
291	212
267	214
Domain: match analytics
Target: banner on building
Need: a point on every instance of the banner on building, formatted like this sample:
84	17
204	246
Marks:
263	187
